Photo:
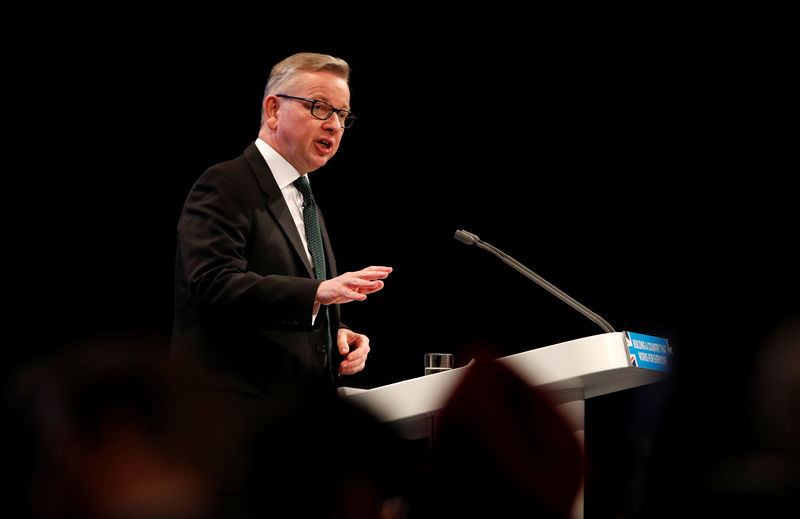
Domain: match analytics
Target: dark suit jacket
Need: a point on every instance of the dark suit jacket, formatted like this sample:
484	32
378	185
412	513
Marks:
244	288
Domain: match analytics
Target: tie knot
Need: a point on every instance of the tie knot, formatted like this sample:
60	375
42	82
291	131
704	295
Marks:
304	187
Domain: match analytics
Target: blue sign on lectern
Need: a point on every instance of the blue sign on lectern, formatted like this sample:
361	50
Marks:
646	351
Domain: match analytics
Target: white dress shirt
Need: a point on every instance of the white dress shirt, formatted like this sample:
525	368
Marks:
285	174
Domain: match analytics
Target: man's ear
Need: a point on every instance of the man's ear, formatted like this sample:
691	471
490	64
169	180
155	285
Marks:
271	105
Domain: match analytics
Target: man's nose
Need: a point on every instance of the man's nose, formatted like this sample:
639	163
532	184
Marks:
332	124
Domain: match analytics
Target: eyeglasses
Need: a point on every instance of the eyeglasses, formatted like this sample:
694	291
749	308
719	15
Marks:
323	110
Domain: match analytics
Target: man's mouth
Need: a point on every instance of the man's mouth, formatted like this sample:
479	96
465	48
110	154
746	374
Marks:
326	144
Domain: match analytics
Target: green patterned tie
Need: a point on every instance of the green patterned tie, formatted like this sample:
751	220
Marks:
314	237
313	234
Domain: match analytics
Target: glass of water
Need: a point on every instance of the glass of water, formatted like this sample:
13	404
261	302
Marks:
436	362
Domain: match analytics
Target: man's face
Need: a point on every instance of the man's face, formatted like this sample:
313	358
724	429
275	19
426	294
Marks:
303	140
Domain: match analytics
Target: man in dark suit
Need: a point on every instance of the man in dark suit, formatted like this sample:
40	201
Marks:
256	303
247	302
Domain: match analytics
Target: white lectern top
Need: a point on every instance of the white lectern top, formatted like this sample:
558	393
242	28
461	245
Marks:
595	365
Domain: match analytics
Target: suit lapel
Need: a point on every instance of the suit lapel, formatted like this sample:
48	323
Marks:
276	204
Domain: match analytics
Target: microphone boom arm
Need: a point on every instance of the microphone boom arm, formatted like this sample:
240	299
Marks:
471	239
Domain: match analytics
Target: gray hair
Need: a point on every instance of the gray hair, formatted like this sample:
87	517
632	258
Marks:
283	76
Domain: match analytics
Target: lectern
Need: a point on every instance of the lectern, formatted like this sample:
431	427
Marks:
567	372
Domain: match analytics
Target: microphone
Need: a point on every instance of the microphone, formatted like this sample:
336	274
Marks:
471	239
466	237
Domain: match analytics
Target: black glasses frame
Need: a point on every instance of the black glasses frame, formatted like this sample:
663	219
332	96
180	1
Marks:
344	122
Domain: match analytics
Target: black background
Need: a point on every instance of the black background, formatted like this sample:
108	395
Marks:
636	162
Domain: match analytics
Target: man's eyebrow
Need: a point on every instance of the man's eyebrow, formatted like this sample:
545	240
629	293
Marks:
345	107
325	99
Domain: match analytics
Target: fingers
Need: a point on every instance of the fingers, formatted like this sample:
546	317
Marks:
358	283
353	363
365	287
366	281
349	292
341	341
356	290
350	368
355	357
352	286
376	272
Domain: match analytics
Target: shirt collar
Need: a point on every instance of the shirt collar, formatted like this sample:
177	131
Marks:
283	172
